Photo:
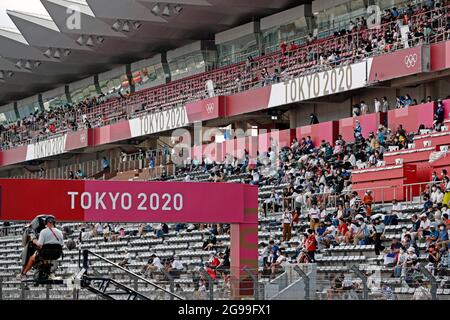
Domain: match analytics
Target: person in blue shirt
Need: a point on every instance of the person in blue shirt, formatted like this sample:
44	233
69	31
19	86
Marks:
105	164
428	203
407	101
151	163
443	233
381	136
80	174
434	234
358	131
394	12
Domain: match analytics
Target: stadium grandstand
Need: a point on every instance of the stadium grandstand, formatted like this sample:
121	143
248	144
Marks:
291	150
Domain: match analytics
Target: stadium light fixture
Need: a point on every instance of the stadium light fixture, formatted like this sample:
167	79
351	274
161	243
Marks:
28	65
117	25
166	11
90	42
80	40
48	52
126	26
156	10
137	25
178	8
57	54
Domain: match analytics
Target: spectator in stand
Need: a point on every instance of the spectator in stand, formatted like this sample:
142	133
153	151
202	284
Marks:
424	229
287	225
313	119
126	260
105	164
364	107
277	264
368	201
80	174
385	104
356	110
283	48
436	195
407	102
439	116
314	216
357	132
311	245
378	234
377	105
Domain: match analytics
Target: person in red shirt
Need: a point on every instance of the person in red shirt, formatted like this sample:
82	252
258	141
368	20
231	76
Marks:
215	262
292	48
368	200
283	48
342	231
311	244
210	271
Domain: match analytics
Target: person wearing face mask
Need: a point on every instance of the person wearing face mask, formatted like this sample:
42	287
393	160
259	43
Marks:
401	258
361	231
424	229
446	182
443	235
436	195
378	234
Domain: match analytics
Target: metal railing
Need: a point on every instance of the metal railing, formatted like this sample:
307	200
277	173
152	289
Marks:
85	265
327	200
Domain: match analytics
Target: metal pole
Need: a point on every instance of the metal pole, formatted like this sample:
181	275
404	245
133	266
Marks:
211	284
432	280
306	279
171	283
363	277
255	282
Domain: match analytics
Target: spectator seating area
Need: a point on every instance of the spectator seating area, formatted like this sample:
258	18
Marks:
355	45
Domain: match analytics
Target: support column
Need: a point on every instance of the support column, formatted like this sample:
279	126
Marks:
244	247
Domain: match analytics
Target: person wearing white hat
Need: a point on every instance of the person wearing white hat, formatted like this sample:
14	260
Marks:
424	229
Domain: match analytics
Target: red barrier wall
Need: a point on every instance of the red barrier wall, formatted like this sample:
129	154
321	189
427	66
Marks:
412	117
369	123
327	131
383	178
440	56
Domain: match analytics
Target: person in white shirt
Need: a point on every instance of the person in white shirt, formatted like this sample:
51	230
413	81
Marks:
287	225
436	195
364	108
255	178
154	265
424	229
314	216
126	260
377	105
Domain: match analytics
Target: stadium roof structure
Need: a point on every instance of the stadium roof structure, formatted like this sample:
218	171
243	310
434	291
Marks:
47	51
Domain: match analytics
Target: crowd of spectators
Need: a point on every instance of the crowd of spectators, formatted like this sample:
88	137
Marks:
425	22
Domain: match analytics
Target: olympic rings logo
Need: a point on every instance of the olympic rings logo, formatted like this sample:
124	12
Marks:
210	108
411	60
